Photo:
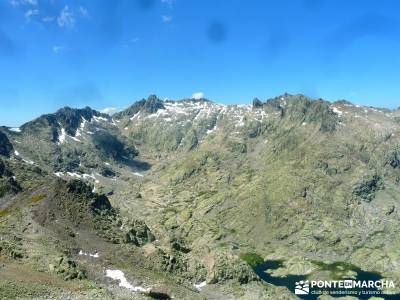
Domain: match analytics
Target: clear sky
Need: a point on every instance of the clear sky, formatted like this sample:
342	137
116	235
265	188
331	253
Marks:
110	53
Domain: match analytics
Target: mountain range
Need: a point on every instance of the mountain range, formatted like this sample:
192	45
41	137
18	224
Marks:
182	199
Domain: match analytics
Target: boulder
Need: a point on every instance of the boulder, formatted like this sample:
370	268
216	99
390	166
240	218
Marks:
137	233
67	268
365	190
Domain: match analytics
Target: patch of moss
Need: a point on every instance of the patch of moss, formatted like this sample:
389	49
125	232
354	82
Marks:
38	198
252	259
4	212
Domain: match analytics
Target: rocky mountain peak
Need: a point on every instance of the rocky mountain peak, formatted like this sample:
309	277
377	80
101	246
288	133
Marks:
300	108
343	102
70	118
257	103
152	104
67	118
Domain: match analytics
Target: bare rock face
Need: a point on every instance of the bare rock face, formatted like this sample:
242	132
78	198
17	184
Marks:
137	233
8	184
4	169
366	189
257	103
68	118
150	105
224	266
6	147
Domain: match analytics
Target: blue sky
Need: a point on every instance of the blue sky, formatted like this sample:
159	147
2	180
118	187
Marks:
105	53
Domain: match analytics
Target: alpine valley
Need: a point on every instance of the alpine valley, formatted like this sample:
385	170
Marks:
183	199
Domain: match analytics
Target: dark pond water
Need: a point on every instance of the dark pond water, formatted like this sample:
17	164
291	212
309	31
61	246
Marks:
334	269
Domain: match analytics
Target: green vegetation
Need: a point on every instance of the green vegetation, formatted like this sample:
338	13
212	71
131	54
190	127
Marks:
37	198
252	259
4	212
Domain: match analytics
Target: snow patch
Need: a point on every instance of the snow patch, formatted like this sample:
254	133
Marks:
95	255
138	174
120	276
28	161
15	129
59	174
74	174
134	116
337	111
240	123
23	159
78	133
61	138
98	119
75	139
82	126
212	130
199	286
84	176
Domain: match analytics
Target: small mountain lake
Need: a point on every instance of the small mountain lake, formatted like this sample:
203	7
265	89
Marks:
334	269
